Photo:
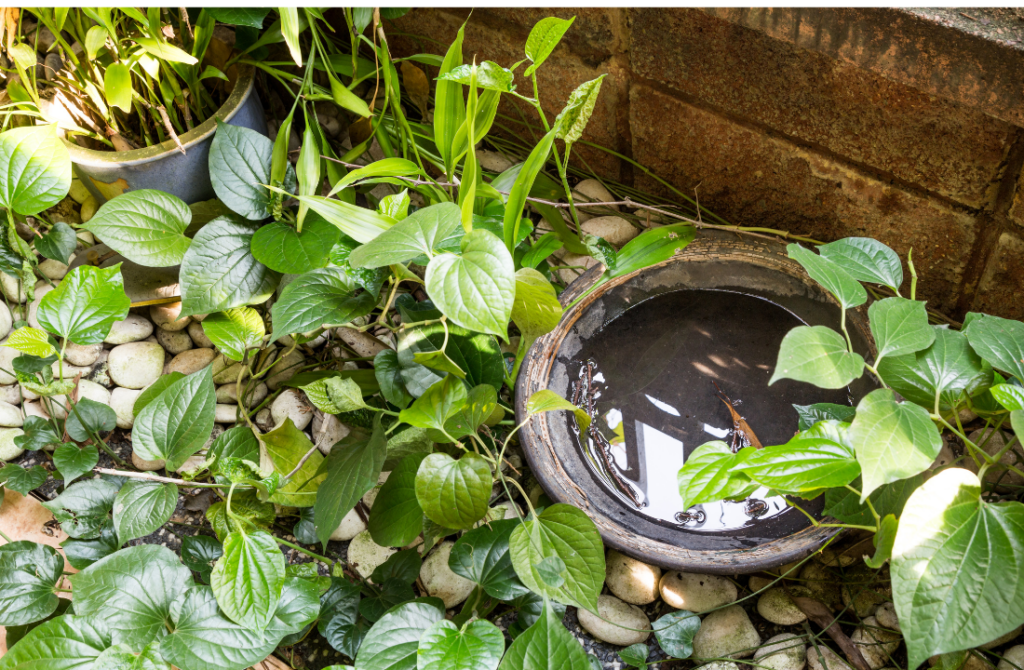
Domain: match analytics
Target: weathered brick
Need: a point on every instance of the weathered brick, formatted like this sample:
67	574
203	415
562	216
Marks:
1001	289
942	146
753	179
557	78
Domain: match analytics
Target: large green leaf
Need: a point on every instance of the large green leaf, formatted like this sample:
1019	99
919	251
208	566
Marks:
398	519
388	373
418	234
865	259
547	400
546	645
845	505
449	104
440	402
89	417
477	288
651	247
35	169
29	572
812	414
286	445
675	632
478	645
240	170
536	310
359	223
999	341
153	391
817	355
482	555
831	275
278	246
31	341
146	227
325	297
476	354
351	472
73	461
572	120
957	567
64	643
141	507
122	657
177	423
944	374
82	507
802	465
233	331
522	186
86	304
893	440
339	622
248	578
386	167
489	75
544	37
199	553
900	327
393	641
83	553
711	473
59	243
568	534
219	271
454	493
132	592
23	480
240	16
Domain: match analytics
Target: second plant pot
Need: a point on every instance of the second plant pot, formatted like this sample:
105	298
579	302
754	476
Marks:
107	174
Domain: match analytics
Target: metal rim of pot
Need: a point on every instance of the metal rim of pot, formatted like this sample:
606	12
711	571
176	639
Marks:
548	467
244	87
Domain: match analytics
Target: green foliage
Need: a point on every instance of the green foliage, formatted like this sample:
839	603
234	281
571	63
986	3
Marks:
351	472
234	331
141	507
35	169
29	571
398	519
85	305
675	632
247	579
283	249
454	493
327	297
178	421
146	227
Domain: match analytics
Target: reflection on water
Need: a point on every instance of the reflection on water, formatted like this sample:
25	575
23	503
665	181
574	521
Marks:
649	379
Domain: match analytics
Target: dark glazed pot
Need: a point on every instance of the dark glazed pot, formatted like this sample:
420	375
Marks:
107	174
715	260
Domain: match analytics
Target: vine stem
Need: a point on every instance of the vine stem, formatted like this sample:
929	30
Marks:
158	478
303	550
5	537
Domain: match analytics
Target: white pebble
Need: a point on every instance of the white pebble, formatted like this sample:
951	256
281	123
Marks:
136	365
12	288
823	658
198	335
226	413
82	355
623	617
284	369
10	416
631	580
228	394
55	270
146	466
782	652
122	401
174	341
8	449
351	525
330	431
875	643
132	329
696	593
168	316
10	394
6	320
191	361
364	555
439	579
93	391
615	230
886	616
726	633
776	606
292	404
1013	658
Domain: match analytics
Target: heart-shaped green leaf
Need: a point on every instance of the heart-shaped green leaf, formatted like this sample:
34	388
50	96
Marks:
176	424
831	275
83	553
544	37
389	376
476	289
865	259
31	341
675	632
418	234
219	271
393	641
711	473
131	591
321	298
817	355
476	646
240	170
146	227
248	578
233	331
482	555
29	572
63	642
35	169
278	246
536	310
945	529
568	533
23	480
88	417
199	553
142	507
398	519
454	493
893	440
546	645
900	327
73	461
999	341
477	355
286	446
572	120
802	465
59	243
440	402
86	304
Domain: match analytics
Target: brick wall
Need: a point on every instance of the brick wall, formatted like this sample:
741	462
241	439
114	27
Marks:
899	125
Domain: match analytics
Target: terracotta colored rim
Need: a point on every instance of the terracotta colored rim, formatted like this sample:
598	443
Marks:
244	87
550	465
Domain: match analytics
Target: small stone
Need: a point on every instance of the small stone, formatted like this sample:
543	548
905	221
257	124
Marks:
168	316
93	391
10	394
370	496
88	211
575	260
365	555
7	356
191	361
492	161
227	373
34	408
54	270
696	593
193	463
27	394
622	616
1013	658
439	579
146	466
823	658
174	341
226	413
122	401
631	580
363	344
615	230
10	416
864	601
198	335
782	652
999	641
284	369
8	449
944	458
84	236
228	394
264	420
776	606
759	583
13	289
718	665
835	559
886	616
591	190
875	643
79	193
55	406
33	307
82	355
132	329
136	365
726	633
328	433
292	404
6	321
349	527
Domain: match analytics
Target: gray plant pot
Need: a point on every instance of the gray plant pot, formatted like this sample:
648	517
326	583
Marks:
107	174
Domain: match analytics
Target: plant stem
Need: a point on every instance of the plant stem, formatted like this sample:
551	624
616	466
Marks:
323	559
157	478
